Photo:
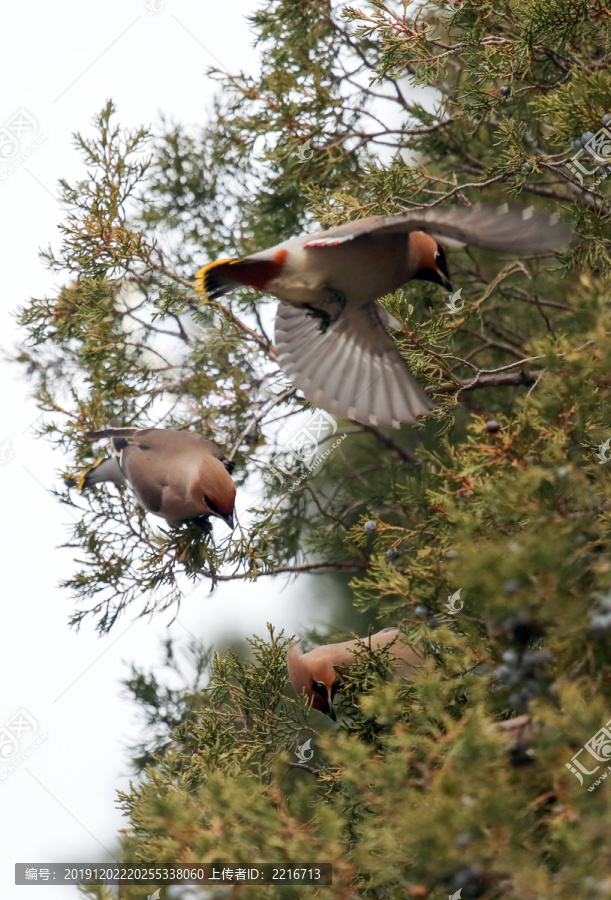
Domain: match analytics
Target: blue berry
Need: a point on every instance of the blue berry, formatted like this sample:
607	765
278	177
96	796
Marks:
467	879
600	625
531	688
463	839
503	673
513	679
510	586
605	602
606	118
518	700
370	527
536	658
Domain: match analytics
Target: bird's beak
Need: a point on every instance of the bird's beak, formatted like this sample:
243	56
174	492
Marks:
228	520
446	283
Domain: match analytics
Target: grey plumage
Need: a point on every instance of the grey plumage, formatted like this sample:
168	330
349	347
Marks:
177	475
351	369
502	228
107	469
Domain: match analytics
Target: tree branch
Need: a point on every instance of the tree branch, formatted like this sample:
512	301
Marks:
484	381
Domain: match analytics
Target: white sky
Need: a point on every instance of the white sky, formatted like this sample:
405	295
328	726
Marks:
60	62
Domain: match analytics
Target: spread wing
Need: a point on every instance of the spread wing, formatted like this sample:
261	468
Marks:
500	228
354	370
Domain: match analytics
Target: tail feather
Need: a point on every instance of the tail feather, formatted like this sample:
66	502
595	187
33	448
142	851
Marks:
213	280
354	370
106	469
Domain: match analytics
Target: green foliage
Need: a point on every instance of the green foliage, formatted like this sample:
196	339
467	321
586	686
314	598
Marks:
415	792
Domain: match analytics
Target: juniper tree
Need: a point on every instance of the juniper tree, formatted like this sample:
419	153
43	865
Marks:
503	495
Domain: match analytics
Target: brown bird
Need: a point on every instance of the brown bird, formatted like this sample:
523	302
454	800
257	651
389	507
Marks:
177	475
345	361
318	673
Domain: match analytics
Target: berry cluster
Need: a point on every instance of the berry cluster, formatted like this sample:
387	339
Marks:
469	881
600	616
521	671
424	612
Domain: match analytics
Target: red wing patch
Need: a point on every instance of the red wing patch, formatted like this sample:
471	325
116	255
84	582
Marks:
332	243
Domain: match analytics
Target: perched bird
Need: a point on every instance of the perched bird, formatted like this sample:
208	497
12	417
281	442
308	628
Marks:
318	673
177	475
331	333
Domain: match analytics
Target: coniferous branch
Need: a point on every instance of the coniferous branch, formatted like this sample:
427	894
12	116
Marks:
456	778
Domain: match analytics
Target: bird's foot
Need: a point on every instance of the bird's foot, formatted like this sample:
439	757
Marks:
325	318
204	523
335	299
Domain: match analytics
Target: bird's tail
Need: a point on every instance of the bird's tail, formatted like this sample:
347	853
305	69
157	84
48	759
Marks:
106	469
354	370
214	280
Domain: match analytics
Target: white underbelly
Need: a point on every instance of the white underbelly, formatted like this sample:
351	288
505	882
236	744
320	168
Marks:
361	270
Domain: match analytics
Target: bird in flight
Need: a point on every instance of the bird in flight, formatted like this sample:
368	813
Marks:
331	332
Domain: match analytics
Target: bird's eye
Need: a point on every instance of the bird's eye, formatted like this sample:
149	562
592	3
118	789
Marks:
438	256
319	688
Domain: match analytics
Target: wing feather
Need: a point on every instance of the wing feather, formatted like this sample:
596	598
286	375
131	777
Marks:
501	228
354	370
